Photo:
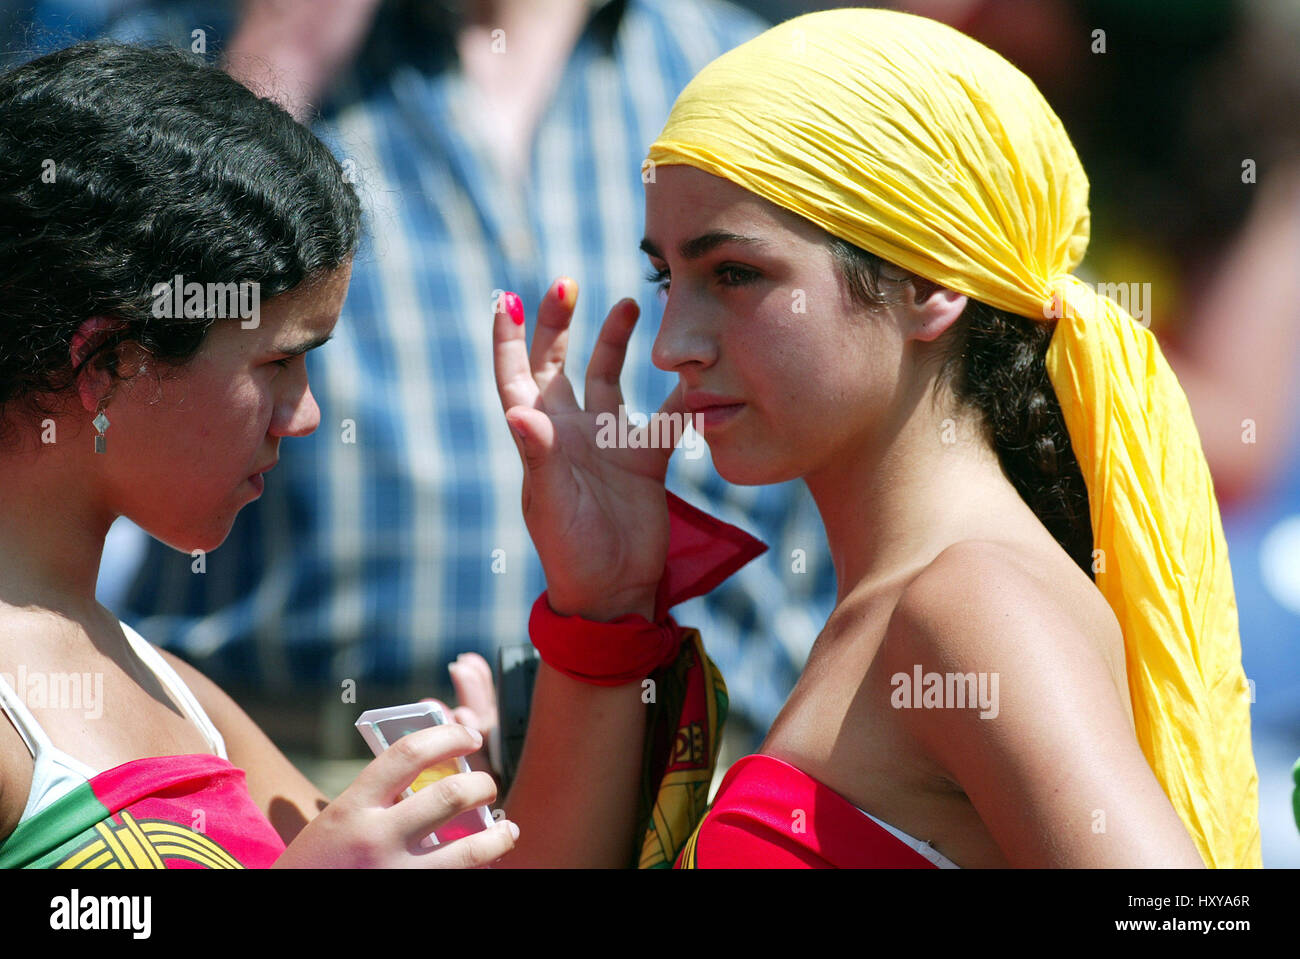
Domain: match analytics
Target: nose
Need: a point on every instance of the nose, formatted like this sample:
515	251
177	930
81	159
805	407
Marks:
296	412
685	337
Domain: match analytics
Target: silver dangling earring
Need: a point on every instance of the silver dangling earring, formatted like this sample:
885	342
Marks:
100	422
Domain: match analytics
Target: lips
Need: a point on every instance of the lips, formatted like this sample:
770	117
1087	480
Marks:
697	400
259	483
711	410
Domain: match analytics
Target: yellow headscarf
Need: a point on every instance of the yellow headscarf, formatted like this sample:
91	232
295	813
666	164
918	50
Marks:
918	144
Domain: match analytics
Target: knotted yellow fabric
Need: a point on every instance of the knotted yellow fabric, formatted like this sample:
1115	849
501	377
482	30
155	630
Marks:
916	143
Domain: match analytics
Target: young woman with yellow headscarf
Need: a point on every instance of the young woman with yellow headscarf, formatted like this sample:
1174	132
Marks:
870	222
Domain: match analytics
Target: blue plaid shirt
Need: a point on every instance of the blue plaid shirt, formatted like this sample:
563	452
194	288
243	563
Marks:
392	539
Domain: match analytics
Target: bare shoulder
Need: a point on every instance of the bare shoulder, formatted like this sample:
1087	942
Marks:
987	600
1049	744
1032	619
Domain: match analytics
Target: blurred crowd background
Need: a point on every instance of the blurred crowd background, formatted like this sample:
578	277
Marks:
497	145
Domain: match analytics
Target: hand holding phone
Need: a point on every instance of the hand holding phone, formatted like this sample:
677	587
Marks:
366	826
380	728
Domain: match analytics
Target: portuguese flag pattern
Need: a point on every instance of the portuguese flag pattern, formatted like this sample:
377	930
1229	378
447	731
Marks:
167	812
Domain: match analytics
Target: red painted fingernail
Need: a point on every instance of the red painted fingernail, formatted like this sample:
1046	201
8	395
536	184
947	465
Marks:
559	291
515	308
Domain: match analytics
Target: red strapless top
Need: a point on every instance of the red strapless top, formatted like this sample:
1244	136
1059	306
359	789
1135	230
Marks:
768	814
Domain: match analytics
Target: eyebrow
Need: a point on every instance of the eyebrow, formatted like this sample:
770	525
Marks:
702	244
304	347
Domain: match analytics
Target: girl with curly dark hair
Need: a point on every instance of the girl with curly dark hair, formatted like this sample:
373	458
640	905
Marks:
172	247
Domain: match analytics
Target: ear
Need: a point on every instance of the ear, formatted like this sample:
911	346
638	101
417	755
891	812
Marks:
934	309
94	381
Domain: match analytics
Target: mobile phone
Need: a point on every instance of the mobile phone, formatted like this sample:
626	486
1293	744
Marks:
380	728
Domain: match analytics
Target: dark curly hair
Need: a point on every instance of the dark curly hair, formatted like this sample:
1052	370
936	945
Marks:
122	166
995	364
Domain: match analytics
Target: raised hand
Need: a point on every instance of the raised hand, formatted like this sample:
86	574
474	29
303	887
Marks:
598	516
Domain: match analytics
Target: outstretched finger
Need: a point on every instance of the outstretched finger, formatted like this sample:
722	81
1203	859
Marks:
515	382
551	338
603	392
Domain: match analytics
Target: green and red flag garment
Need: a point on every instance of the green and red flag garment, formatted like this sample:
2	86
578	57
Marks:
165	812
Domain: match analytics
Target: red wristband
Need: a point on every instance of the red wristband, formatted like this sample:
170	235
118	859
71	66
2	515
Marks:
623	650
702	552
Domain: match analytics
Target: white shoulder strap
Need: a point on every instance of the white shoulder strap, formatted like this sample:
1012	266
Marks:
28	728
176	686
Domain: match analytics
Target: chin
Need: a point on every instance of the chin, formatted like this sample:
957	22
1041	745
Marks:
751	470
209	540
187	539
